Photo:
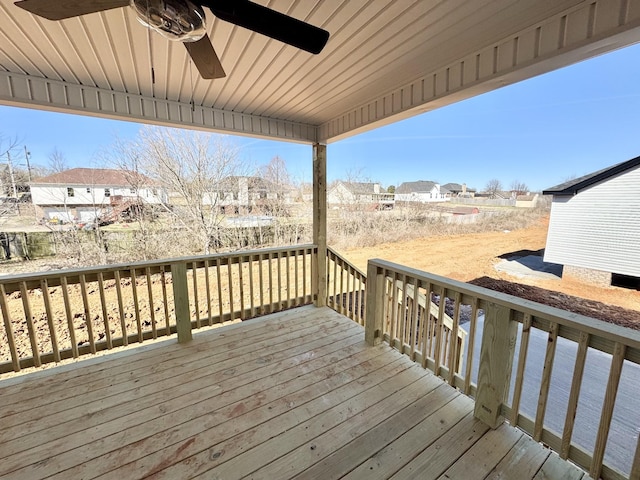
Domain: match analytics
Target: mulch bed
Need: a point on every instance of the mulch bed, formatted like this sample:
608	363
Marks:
590	308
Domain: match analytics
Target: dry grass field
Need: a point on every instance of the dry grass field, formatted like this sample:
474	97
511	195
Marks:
466	257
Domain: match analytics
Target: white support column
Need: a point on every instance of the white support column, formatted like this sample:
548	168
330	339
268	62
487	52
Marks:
319	271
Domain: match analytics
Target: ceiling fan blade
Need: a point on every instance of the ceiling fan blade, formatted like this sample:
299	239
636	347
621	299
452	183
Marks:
205	58
270	23
61	9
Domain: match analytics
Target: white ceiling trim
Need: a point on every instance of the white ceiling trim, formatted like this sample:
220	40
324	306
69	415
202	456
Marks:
581	32
26	90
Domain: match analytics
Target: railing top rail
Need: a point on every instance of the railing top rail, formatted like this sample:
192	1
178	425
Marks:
592	326
73	272
336	254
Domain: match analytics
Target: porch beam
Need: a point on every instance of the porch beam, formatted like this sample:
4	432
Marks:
319	273
56	96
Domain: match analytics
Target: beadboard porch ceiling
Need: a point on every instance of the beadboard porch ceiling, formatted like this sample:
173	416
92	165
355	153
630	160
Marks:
385	61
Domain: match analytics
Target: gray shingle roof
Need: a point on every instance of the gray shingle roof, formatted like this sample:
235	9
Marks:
572	187
421	186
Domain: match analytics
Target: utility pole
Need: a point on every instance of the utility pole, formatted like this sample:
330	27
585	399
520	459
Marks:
13	180
27	154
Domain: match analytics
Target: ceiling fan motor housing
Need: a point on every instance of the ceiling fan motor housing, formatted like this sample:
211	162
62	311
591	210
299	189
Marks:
179	20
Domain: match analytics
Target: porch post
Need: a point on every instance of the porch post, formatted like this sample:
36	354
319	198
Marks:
181	301
319	270
496	358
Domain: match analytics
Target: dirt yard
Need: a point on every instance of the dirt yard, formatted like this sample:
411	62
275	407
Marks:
474	256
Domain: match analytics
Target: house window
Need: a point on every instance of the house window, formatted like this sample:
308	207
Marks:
88	190
107	192
70	192
154	192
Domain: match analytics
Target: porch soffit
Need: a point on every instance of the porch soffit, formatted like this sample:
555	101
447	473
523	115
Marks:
385	61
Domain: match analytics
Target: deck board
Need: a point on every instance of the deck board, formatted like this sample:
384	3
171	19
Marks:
296	394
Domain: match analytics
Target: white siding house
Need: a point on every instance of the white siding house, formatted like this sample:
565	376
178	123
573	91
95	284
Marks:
84	194
421	191
594	230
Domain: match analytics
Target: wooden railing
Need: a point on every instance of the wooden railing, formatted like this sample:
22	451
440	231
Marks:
345	287
68	313
563	378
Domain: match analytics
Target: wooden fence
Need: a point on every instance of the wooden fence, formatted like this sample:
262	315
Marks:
68	313
500	359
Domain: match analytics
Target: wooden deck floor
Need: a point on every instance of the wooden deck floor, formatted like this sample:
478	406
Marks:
291	395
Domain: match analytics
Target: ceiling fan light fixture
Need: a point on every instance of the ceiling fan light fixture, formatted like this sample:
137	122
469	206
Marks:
178	20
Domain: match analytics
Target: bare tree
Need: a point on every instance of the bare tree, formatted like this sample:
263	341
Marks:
519	188
492	187
8	174
57	161
277	183
190	167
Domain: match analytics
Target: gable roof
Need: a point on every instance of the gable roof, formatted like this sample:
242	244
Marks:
421	186
572	187
452	187
362	188
108	177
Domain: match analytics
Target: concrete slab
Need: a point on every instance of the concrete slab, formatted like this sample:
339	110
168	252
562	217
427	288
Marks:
530	266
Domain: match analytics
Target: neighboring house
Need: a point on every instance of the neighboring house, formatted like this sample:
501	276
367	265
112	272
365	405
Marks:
459	190
244	193
359	193
422	191
83	194
594	229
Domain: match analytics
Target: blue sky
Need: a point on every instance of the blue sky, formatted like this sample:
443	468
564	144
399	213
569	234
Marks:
541	131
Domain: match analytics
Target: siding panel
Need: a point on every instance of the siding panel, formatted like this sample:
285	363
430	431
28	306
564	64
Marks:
599	227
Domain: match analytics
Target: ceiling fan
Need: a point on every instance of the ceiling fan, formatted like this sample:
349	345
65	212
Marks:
184	21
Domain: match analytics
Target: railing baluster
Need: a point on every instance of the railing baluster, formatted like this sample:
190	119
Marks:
261	282
230	286
439	331
269	261
67	310
207	284
574	396
251	293
453	346
152	311
8	328
394	310
522	361
335	283
287	266
26	305
105	314
136	304
352	295
607	409
402	311
196	300
219	281
165	301
123	325
545	383
471	341
413	333
44	287
87	313
304	275
279	273
425	321
296	279
241	286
